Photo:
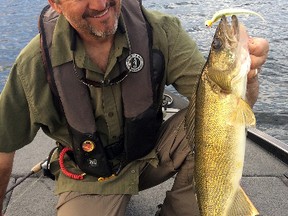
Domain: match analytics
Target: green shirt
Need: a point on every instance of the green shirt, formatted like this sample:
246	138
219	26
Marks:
26	103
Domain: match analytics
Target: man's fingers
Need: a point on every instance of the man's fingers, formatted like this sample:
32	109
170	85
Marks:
258	46
257	62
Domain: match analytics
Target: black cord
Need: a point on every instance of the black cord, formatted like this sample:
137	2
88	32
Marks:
19	182
34	170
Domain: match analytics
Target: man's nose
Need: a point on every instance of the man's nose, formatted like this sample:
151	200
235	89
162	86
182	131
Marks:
97	4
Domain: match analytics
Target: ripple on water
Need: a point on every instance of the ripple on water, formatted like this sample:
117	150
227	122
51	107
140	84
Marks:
18	24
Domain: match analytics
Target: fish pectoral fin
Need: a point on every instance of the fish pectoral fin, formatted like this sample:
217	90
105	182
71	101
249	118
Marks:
242	205
243	115
250	120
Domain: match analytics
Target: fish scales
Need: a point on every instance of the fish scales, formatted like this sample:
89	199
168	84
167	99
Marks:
221	116
219	159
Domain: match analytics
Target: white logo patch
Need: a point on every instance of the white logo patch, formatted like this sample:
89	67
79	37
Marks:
134	62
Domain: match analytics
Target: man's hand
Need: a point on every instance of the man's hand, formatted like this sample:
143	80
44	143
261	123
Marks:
258	48
6	162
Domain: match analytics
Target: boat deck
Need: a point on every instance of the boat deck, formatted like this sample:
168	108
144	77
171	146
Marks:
265	180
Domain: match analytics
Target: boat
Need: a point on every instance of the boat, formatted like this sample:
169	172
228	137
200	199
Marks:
265	176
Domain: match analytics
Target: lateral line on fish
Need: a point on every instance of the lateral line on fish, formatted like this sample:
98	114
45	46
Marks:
230	12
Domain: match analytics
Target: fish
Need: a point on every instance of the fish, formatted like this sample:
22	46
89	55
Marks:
230	12
216	121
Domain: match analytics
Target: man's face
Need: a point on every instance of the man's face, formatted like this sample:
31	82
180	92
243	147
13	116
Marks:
98	18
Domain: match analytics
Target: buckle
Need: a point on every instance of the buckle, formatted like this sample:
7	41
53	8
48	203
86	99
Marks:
101	179
118	170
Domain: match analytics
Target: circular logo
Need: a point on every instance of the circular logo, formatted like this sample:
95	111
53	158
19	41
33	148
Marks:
134	62
88	146
92	162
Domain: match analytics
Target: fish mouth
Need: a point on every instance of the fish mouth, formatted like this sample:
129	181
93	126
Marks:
230	34
229	59
227	34
237	41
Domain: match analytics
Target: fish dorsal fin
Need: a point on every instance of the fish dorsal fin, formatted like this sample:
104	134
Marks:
190	120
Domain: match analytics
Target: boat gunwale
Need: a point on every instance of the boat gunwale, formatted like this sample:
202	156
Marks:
268	143
276	147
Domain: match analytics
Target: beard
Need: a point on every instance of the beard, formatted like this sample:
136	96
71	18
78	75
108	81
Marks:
108	30
105	28
104	33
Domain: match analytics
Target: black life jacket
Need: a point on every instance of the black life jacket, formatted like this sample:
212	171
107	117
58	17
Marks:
141	94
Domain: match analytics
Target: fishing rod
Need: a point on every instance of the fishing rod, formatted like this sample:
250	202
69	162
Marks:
37	168
43	165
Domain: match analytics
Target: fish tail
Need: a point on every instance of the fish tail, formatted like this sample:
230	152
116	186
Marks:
242	205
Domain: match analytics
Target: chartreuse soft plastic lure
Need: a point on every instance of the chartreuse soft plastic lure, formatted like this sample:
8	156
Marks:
230	12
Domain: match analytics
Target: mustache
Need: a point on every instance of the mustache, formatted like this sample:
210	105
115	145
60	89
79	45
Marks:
93	13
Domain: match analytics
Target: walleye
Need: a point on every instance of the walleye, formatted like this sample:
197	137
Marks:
221	115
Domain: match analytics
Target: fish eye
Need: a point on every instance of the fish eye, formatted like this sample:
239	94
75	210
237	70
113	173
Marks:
217	43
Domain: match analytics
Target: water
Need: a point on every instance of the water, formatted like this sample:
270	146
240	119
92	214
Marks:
18	24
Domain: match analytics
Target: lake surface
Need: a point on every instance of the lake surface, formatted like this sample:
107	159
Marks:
18	24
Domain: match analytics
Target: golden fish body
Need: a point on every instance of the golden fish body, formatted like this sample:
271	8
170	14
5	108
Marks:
221	115
219	154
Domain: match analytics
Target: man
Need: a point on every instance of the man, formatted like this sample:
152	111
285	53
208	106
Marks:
113	160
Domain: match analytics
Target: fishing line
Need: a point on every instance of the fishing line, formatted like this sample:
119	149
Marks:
34	170
19	182
25	191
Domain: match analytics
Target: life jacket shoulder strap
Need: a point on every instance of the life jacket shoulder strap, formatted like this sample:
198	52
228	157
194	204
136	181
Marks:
46	25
